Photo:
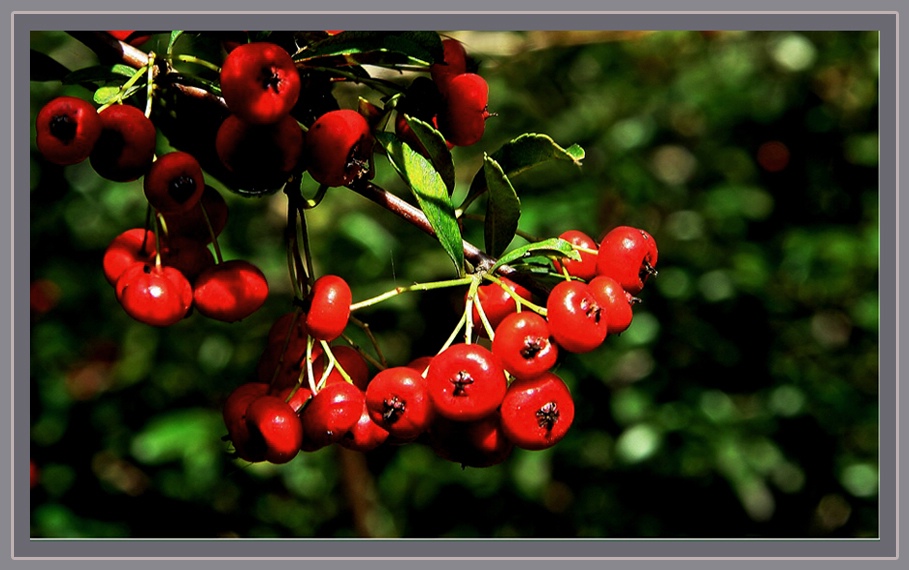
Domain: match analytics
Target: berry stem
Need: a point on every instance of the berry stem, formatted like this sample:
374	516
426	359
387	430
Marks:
211	231
150	84
406	288
198	61
454	333
381	363
518	299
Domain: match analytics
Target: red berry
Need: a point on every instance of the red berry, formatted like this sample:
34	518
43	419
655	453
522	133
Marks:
230	291
537	413
259	82
497	302
477	443
577	322
586	268
174	182
397	401
524	346
130	247
191	258
615	301
234	415
191	224
260	157
126	148
329	308
628	255
273	421
465	382
332	413
454	63
337	147
67	129
464	114
156	296
365	435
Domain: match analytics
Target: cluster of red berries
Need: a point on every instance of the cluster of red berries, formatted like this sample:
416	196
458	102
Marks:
473	402
158	276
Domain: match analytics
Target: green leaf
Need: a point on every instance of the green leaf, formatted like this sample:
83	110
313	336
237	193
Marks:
173	40
100	75
550	247
106	94
439	154
503	209
419	47
431	194
42	67
523	153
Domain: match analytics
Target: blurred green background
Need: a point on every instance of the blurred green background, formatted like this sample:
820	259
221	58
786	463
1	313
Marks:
742	402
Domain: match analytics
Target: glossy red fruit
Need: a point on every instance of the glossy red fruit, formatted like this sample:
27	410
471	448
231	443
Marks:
463	116
576	320
233	413
126	148
478	443
191	258
586	268
230	291
260	157
465	382
365	435
337	148
67	129
329	307
420	364
156	296
174	182
398	401
628	255
524	345
130	247
332	413
286	366
273	421
191	224
296	396
259	82
537	413
497	302
615	301
454	63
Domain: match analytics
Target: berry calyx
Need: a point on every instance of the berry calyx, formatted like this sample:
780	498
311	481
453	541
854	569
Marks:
67	129
537	413
174	183
397	401
126	148
524	345
577	322
465	382
337	147
260	82
616	301
628	255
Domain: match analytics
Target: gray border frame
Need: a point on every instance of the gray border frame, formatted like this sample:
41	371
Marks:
483	16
